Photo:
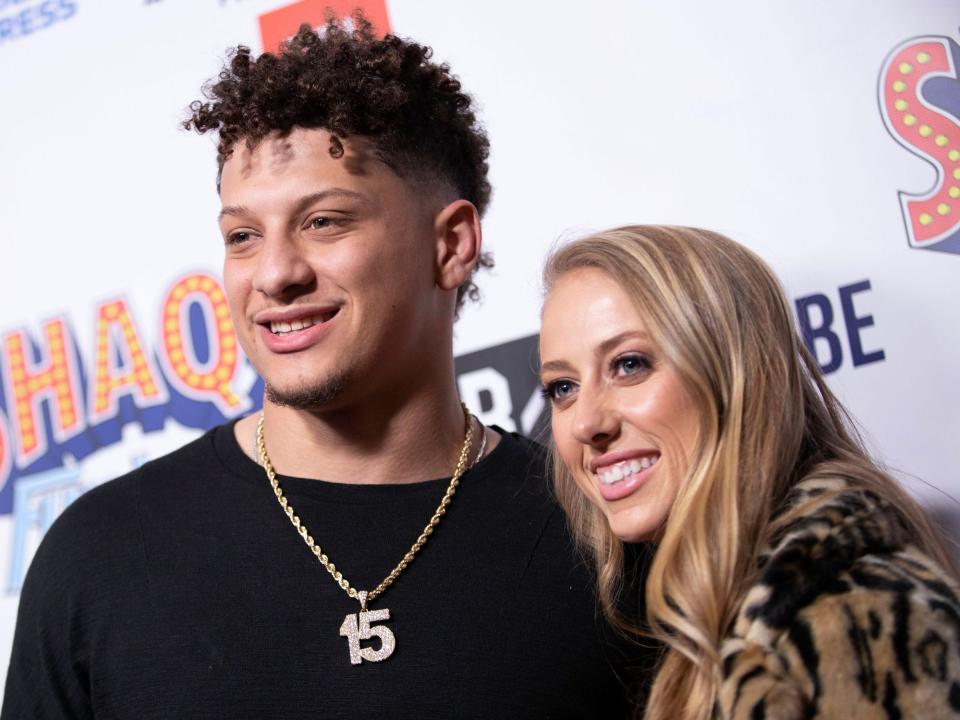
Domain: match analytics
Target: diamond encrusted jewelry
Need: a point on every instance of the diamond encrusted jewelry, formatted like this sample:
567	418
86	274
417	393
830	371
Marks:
356	626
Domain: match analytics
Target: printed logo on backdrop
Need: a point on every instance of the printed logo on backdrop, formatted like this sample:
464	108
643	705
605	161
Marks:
277	25
66	409
501	386
919	93
22	18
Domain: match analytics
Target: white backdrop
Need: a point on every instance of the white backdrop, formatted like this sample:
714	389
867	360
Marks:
781	124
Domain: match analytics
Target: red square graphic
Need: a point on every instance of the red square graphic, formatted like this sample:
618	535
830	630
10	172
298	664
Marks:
277	25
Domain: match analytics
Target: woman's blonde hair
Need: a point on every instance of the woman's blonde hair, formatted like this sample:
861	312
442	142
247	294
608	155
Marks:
767	420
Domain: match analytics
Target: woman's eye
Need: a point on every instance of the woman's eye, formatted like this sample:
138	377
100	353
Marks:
558	390
631	364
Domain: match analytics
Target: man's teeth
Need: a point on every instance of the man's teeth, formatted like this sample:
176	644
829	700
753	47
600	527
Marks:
622	470
282	328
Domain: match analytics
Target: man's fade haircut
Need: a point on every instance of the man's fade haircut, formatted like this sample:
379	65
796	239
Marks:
350	82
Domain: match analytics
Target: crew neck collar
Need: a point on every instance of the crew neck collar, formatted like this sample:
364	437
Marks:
239	463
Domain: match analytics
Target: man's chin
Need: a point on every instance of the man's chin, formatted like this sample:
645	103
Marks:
305	397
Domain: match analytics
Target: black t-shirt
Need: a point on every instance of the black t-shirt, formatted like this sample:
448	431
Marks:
182	590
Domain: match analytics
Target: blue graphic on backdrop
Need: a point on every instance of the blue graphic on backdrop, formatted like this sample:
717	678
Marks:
23	18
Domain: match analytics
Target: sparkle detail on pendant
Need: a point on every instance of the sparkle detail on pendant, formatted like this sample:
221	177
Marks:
357	627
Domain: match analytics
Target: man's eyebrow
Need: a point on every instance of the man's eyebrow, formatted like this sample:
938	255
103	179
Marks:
234	210
300	205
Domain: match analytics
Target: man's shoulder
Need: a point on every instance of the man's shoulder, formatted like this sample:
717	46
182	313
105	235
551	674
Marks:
109	512
198	455
177	465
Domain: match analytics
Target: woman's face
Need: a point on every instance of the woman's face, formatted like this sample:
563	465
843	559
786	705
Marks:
623	423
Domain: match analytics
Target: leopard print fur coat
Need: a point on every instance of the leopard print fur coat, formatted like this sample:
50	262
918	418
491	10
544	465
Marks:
847	620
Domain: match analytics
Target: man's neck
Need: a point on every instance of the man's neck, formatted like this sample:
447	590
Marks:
406	441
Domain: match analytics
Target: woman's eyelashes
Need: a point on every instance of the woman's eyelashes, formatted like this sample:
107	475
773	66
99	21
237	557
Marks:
631	364
556	391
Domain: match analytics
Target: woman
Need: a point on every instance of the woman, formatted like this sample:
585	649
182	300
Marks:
792	577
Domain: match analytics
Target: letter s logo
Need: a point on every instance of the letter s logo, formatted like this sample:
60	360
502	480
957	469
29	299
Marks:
919	93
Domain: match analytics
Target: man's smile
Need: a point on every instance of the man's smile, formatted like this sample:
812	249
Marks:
294	329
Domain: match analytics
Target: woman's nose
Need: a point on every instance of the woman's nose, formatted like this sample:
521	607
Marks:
597	420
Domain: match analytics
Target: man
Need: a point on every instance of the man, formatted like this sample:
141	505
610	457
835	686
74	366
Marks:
309	562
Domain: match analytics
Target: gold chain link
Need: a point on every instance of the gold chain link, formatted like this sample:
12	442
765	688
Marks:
414	549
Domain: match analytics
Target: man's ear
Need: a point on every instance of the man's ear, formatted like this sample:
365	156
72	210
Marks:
458	234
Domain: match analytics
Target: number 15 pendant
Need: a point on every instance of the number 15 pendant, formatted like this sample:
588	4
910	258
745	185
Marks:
355	629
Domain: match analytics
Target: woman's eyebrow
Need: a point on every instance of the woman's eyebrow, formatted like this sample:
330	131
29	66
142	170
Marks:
610	343
555	365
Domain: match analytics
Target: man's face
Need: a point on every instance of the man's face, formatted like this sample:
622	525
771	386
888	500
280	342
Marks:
329	268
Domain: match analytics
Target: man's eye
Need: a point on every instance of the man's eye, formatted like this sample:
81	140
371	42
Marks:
558	390
236	238
632	364
319	223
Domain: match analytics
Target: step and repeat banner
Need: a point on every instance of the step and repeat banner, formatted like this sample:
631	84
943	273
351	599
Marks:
824	135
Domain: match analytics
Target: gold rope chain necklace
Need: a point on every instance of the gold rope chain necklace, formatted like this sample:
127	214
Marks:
357	627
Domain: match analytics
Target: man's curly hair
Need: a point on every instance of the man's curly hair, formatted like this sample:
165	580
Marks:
350	82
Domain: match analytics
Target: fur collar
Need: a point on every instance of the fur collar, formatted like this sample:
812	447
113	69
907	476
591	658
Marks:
807	557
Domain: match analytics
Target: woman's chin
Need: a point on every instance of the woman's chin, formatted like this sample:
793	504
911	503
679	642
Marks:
630	528
633	534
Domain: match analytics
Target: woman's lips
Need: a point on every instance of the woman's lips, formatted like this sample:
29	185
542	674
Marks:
619	475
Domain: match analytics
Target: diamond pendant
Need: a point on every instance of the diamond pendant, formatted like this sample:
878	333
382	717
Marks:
357	627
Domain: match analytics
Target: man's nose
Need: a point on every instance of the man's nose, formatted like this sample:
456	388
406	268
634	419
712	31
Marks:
597	420
282	268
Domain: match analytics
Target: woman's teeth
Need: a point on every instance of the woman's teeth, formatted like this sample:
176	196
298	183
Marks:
622	470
